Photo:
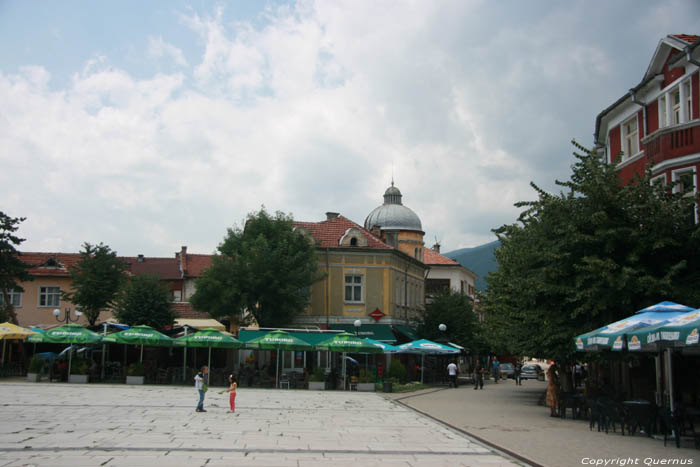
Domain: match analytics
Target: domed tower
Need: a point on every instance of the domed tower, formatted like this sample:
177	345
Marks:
396	224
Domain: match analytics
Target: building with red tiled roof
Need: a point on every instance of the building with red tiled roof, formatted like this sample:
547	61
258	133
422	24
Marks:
656	124
446	274
366	279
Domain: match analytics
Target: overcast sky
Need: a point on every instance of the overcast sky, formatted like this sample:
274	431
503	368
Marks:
152	125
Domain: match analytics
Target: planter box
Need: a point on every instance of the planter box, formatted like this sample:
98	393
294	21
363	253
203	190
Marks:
134	379
387	387
317	385
367	387
78	379
33	377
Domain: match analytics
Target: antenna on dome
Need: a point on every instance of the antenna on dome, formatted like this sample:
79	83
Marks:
392	173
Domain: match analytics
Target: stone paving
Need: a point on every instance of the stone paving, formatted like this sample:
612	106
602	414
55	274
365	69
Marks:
117	425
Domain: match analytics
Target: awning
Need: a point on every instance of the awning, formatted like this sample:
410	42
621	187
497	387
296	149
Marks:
407	331
313	338
378	332
200	323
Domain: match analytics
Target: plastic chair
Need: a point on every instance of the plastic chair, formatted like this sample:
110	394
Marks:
284	380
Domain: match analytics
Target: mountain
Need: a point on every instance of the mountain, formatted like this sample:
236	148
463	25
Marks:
479	259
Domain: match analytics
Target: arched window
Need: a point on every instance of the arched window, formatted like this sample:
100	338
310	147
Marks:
353	241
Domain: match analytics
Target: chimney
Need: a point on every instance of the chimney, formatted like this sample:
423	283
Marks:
140	259
183	260
332	215
436	248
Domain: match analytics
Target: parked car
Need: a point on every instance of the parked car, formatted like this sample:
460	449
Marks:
506	370
532	371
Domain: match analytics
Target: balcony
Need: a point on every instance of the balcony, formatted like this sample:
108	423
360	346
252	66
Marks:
672	142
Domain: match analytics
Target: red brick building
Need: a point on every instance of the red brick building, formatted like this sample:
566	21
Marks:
657	122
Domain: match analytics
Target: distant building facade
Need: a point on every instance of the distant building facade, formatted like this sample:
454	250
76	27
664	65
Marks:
446	274
656	124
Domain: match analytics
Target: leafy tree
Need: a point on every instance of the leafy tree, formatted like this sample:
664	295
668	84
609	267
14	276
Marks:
266	269
12	269
455	311
144	300
591	255
96	279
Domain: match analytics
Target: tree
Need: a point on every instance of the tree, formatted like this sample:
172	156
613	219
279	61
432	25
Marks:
12	269
589	256
144	300
96	279
266	269
455	311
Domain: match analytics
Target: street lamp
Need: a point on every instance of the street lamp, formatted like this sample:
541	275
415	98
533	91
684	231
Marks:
66	318
357	325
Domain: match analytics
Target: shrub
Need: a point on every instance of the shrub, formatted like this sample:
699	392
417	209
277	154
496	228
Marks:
79	366
318	375
397	370
35	365
366	376
136	369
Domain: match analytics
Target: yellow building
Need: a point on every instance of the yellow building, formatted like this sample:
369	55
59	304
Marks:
366	279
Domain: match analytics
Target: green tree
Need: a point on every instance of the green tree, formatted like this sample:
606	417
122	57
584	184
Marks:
593	254
12	269
266	269
96	280
455	311
144	300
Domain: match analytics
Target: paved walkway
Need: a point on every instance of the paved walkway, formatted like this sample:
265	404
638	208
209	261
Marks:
118	425
508	416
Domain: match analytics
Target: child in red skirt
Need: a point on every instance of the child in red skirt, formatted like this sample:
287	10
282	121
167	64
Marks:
232	393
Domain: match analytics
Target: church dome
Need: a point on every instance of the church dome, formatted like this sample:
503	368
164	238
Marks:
393	215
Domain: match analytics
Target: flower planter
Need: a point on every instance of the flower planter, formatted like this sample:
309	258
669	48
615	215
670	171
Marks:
134	379
33	377
317	385
367	387
78	379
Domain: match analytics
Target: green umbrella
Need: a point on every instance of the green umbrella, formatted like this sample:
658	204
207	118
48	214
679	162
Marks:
210	337
677	332
140	335
346	342
67	334
278	340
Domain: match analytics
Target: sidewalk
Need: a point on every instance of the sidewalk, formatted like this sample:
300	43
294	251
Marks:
507	416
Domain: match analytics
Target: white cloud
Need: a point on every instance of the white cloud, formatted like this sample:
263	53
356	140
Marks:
158	48
305	109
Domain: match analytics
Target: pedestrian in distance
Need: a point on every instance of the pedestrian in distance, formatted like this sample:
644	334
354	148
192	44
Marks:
200	383
496	368
452	371
553	390
517	370
478	376
232	393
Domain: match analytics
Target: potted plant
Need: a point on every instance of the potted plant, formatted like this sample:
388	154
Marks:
135	373
34	370
365	382
78	371
317	381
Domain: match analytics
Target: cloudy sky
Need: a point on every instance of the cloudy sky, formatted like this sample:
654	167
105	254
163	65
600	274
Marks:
151	125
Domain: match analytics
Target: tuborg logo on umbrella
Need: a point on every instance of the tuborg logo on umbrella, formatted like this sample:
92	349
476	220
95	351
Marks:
579	344
634	343
618	344
692	337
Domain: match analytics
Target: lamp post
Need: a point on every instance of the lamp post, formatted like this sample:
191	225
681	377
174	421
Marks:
357	325
66	317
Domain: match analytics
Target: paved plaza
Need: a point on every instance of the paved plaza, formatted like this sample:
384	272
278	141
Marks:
118	425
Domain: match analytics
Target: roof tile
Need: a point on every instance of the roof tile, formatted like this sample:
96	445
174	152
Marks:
433	258
327	234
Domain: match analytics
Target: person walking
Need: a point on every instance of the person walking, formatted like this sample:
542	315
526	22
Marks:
452	371
496	367
517	370
232	393
200	384
478	376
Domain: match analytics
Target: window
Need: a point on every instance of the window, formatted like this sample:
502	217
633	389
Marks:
353	288
15	298
685	184
676	106
663	118
688	102
49	296
629	129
